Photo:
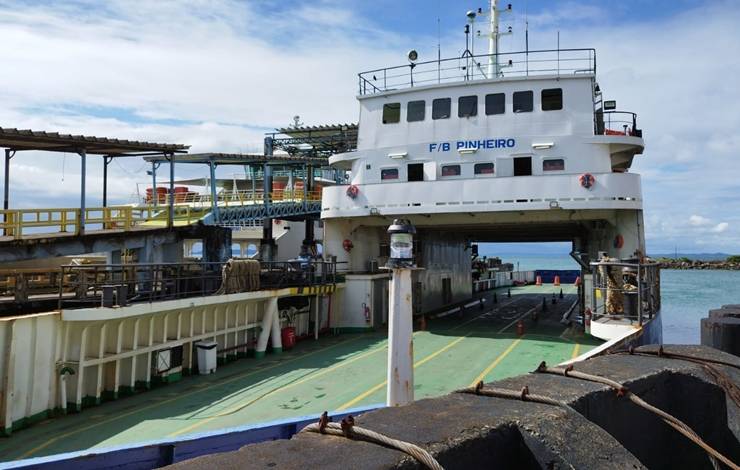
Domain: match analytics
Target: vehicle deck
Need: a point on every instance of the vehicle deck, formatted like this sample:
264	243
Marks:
333	373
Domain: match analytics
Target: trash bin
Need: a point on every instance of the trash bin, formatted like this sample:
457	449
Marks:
206	356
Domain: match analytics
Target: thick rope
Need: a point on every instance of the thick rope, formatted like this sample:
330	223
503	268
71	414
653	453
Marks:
709	365
348	429
672	421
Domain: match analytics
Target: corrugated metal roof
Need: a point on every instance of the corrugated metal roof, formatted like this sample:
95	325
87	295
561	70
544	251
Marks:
239	158
318	131
26	139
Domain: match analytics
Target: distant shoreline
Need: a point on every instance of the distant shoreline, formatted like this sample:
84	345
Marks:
732	263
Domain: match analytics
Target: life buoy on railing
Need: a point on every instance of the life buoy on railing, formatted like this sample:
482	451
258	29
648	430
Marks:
587	180
353	191
347	245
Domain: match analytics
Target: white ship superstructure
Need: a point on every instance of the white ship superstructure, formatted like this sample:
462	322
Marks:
500	147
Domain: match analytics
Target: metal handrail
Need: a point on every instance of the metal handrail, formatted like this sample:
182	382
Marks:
616	123
149	282
523	63
635	297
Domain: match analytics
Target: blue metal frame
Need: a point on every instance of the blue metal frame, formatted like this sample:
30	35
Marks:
154	454
235	215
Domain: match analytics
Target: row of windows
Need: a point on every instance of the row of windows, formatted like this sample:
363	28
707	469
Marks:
467	106
487	168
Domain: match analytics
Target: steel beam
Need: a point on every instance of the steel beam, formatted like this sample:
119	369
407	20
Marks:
214	196
171	208
106	160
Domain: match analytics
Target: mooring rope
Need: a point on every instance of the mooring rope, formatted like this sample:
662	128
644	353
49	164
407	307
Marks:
348	429
623	391
709	365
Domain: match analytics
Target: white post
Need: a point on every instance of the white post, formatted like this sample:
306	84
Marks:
400	340
275	334
493	41
266	326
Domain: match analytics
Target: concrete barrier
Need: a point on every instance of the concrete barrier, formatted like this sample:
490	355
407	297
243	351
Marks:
602	430
721	329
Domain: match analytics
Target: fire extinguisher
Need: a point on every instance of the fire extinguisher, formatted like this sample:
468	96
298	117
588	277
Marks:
366	311
587	321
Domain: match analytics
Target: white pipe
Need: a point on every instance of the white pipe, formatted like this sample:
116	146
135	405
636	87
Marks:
400	340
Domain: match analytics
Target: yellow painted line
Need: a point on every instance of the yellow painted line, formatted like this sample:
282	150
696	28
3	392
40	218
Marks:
576	350
179	397
374	389
240	406
496	362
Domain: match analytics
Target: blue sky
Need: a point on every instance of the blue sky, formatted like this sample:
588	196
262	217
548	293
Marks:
218	74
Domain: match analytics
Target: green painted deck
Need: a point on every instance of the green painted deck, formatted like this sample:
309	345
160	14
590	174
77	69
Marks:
333	373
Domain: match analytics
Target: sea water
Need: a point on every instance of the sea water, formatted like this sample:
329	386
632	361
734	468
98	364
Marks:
686	295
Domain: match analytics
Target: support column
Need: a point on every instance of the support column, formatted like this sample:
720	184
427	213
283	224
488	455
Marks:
171	208
268	248
83	171
276	333
400	340
265	327
6	187
155	197
106	160
214	196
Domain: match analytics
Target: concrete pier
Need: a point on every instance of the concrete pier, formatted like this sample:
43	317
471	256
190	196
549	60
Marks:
721	329
603	430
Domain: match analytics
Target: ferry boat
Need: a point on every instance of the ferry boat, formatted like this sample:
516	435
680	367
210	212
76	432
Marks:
496	147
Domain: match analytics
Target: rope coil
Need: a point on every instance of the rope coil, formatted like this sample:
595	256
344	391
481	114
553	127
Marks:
348	429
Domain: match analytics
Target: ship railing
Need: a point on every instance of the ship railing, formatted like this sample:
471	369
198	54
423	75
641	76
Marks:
624	290
237	198
558	62
616	123
122	284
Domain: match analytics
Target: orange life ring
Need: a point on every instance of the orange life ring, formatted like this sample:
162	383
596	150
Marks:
353	191
347	245
618	241
587	180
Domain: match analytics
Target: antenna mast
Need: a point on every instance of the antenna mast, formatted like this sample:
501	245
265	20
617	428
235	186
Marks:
493	69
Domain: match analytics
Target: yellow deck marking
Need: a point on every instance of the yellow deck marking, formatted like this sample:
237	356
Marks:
496	362
576	350
311	376
179	397
374	389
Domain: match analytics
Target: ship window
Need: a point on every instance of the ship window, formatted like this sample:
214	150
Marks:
389	174
495	104
450	170
441	108
391	113
467	106
555	164
552	99
415	111
523	101
483	168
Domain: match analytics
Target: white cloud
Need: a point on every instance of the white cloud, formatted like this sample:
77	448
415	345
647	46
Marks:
698	221
720	227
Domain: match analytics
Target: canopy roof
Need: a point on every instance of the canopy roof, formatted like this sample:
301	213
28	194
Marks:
15	139
317	140
240	159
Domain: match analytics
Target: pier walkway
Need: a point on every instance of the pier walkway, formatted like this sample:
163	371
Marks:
333	373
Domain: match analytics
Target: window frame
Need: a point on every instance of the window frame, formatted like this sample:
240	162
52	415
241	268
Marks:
484	175
514	98
545	160
542	99
503	104
474	109
390	168
434	106
423	110
450	165
389	106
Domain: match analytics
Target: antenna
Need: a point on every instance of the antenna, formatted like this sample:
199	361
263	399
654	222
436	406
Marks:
439	49
494	69
526	36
